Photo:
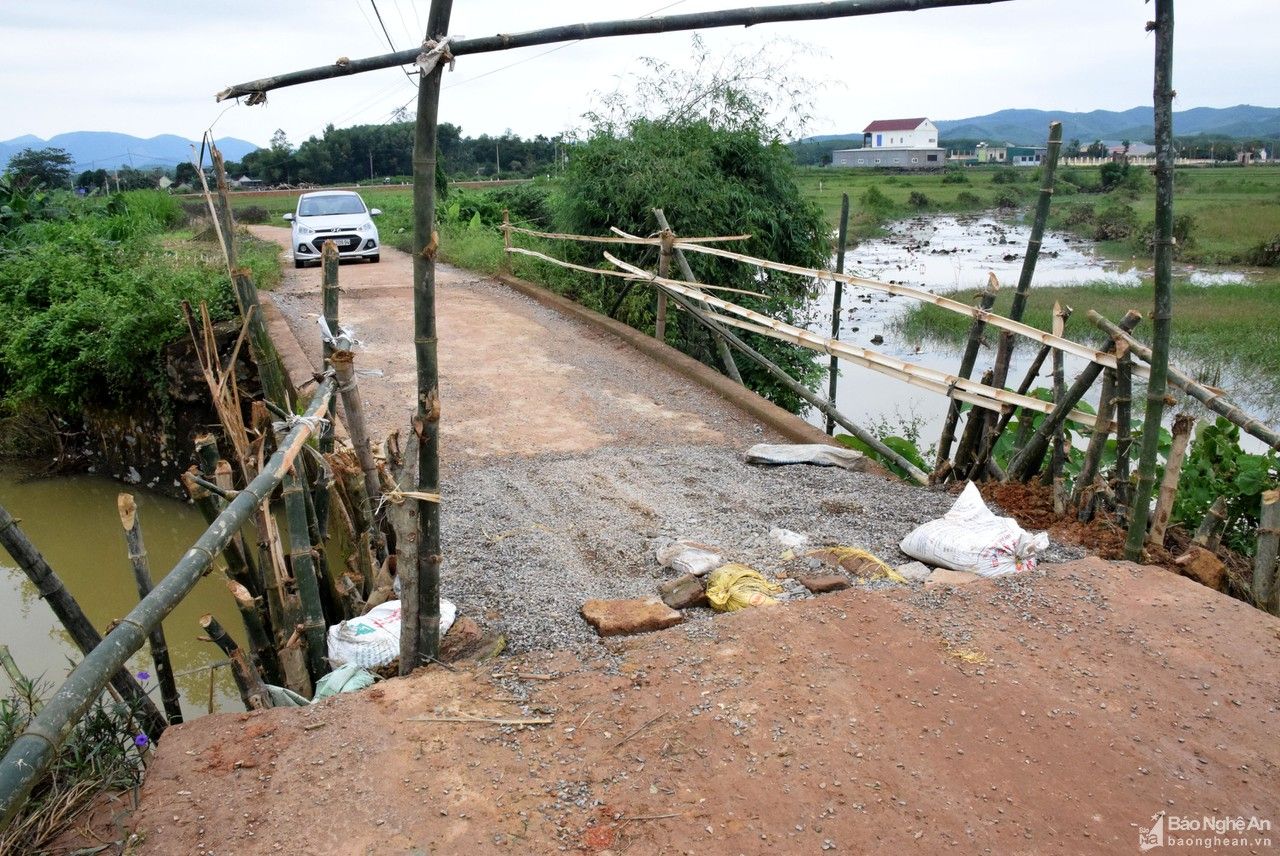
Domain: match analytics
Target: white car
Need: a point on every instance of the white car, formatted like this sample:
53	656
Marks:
333	215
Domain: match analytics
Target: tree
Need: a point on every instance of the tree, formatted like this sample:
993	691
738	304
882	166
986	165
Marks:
186	174
1073	148
1096	149
49	167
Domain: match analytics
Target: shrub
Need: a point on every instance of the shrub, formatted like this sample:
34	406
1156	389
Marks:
1266	253
1077	179
528	203
253	214
1183	235
1007	197
1216	466
1006	175
874	199
968	199
955	175
1079	215
1115	223
918	200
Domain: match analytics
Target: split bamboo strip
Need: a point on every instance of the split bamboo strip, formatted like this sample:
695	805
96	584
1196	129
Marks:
1027	461
1162	310
227	225
1124	430
1182	425
1084	487
1103	357
329	292
256	90
1214	399
722	347
79	628
631	278
833	368
1266	584
30	754
142	576
260	645
970	357
353	415
1207	533
252	691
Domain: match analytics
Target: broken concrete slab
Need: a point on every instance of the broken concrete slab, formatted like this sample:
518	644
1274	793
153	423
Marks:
947	577
624	617
683	592
914	572
822	583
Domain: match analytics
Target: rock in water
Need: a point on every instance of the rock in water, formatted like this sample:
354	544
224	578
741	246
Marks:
623	617
683	592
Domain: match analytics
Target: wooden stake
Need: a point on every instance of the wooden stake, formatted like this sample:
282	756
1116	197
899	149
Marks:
142	576
1162	315
1266	585
225	219
973	425
664	271
986	299
304	574
68	611
1182	426
506	241
239	560
833	369
329	290
1084	488
253	692
1059	435
1209	532
260	645
343	363
1124	431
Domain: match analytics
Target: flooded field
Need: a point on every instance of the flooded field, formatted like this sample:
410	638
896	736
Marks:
73	521
956	253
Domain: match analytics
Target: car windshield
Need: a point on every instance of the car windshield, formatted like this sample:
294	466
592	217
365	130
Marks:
321	206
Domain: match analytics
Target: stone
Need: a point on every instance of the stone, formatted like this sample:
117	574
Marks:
948	577
683	592
623	617
1204	567
463	639
914	572
822	583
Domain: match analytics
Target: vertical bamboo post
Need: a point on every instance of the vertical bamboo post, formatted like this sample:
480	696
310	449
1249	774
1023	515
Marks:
1182	426
722	347
260	644
969	438
240	564
252	691
304	573
330	292
985	301
1084	487
68	611
1059	456
664	272
362	518
506	241
1027	460
225	219
1208	532
142	576
1162	316
1124	430
426	422
1265	581
1033	371
343	363
833	370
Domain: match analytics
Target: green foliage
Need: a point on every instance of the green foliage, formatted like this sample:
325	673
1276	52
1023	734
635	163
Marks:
1007	197
33	168
90	301
1266	253
1184	226
901	445
709	181
1006	175
955	175
1216	466
1116	222
874	199
102	754
918	200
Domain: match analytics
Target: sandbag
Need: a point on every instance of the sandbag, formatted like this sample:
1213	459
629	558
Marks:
732	587
689	557
970	538
373	639
818	454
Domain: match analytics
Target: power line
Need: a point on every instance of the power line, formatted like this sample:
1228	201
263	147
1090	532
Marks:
374	4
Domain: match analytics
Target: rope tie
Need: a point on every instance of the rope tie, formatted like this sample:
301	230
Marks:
398	496
344	340
432	53
315	423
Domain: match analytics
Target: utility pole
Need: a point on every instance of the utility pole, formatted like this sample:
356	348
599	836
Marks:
497	159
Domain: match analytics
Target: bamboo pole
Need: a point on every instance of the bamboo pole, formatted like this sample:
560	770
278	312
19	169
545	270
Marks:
302	560
1162	315
30	754
1124	430
255	89
1182	425
506	241
79	628
664	271
426	421
403	517
833	369
330	292
1213	399
722	347
823	406
1027	460
239	560
1033	371
142	575
227	230
1208	532
1084	487
252	691
1059	456
260	645
986	299
973	425
347	469
1265	581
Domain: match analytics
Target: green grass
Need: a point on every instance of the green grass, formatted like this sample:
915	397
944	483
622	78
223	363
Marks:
1215	325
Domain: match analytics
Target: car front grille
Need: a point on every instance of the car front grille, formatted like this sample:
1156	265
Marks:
345	243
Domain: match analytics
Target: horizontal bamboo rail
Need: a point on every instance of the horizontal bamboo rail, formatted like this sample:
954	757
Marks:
633	277
1214	399
31	753
618	238
1093	355
744	17
970	391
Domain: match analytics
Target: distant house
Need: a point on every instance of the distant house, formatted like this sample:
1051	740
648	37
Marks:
164	183
1026	155
987	153
245	181
898	143
1136	150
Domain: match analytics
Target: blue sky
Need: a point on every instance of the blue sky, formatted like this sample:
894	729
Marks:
147	68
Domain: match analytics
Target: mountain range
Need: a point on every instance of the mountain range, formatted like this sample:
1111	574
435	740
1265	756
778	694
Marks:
1031	126
109	150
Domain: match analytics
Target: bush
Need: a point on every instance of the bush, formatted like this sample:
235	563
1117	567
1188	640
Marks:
253	214
918	200
1006	175
874	199
1007	197
1115	223
968	199
1183	235
955	175
1079	216
1216	466
1077	179
527	203
1266	253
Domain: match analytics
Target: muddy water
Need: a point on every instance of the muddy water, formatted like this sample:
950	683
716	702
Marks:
948	253
73	522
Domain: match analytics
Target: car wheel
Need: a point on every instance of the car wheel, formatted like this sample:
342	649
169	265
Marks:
373	258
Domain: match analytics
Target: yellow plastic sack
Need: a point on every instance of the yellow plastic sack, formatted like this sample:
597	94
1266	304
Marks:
866	566
732	587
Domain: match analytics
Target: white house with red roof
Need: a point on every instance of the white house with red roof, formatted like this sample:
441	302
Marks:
895	144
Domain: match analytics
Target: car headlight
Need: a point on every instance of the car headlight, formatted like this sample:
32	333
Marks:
364	227
305	230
